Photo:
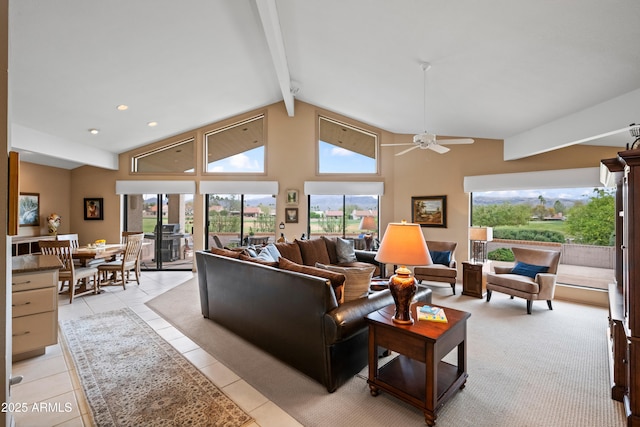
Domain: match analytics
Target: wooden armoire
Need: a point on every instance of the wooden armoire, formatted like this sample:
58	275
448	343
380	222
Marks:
624	294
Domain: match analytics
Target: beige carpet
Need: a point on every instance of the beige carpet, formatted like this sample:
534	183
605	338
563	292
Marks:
132	377
548	369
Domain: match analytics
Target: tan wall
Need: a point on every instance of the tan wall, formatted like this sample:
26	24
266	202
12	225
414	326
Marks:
291	162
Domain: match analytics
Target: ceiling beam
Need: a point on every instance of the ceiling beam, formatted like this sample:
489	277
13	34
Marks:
272	31
601	120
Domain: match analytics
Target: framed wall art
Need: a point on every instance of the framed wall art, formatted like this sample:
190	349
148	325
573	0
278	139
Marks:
93	208
29	210
292	197
429	211
291	215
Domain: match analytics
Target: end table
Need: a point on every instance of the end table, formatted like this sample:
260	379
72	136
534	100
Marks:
474	278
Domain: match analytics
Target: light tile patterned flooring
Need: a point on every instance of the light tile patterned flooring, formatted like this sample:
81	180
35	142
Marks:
50	381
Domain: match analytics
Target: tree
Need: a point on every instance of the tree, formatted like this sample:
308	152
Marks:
593	223
503	214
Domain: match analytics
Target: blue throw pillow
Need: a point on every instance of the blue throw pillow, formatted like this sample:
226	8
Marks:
271	249
524	269
441	257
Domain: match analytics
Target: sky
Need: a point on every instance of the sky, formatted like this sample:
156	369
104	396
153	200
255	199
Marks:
549	193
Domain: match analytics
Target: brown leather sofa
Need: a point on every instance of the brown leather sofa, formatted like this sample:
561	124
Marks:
293	316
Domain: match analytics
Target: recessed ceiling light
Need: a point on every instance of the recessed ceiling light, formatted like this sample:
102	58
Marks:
152	124
94	131
122	107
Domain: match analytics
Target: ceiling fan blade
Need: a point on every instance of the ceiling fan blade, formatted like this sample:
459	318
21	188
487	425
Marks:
407	150
396	145
455	141
438	148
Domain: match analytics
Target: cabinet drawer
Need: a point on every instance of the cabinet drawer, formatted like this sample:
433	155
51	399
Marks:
34	301
24	282
34	332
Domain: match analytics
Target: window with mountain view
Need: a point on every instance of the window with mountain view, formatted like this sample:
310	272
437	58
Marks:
342	215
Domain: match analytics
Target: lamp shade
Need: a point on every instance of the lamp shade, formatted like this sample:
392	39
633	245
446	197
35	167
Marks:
403	244
483	234
368	223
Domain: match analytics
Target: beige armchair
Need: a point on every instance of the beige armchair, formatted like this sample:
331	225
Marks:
533	276
436	272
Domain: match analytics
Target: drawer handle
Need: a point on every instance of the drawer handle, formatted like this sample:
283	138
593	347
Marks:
21	333
17	305
21	283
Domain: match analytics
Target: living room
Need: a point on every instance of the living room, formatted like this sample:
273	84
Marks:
292	138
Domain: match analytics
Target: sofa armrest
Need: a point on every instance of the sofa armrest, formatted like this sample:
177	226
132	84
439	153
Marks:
370	257
502	270
348	318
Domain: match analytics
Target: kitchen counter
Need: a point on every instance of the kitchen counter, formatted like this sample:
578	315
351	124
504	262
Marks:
32	263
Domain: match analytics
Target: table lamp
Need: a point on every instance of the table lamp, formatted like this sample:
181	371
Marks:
367	225
479	237
403	244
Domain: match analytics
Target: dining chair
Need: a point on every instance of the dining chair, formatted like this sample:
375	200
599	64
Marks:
120	268
71	273
123	240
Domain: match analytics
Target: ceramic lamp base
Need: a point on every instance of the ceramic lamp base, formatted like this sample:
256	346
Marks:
403	288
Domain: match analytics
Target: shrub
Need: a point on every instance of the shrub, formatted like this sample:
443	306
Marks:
501	254
528	234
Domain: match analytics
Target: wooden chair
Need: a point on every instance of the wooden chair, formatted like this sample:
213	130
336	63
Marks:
70	273
125	236
73	238
120	268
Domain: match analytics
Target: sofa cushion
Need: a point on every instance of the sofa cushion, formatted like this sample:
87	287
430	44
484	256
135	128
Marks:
314	250
331	249
257	260
358	279
290	251
273	251
441	257
345	250
530	270
336	279
225	252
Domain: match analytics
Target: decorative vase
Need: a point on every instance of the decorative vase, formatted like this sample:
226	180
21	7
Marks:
403	288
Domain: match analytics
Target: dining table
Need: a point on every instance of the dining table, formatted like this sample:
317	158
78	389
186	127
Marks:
105	252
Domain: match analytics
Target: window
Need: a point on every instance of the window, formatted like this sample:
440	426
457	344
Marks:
178	158
346	216
239	148
346	149
239	219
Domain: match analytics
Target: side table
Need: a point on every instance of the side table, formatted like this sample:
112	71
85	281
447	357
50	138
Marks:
418	376
474	278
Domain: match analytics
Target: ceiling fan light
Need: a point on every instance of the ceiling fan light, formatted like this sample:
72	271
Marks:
635	130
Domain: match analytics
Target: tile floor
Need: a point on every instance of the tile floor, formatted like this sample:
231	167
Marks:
52	394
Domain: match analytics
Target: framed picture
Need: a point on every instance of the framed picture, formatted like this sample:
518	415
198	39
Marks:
93	208
291	215
29	210
429	211
292	198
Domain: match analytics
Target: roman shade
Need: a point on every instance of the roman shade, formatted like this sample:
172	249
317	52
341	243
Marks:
562	178
155	187
238	187
344	187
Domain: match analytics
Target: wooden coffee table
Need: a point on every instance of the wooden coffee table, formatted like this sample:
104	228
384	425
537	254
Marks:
418	375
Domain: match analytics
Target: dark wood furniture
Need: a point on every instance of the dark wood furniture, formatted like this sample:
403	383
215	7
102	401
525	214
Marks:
418	376
474	279
624	295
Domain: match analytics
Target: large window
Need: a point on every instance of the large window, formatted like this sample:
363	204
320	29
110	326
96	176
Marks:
173	158
345	149
239	148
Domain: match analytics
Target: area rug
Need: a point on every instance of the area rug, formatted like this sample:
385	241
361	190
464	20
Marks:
133	377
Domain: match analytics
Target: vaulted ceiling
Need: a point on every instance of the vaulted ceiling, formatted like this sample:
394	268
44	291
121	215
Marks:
538	74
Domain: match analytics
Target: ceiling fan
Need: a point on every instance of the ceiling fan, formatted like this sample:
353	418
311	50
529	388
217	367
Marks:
426	140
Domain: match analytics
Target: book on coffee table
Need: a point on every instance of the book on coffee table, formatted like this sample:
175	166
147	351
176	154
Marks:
433	314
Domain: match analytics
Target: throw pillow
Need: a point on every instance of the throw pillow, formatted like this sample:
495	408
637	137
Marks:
331	249
290	251
336	279
313	251
345	250
358	279
271	248
441	257
244	257
530	270
225	252
265	255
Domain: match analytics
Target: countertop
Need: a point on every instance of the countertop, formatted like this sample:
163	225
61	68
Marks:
31	263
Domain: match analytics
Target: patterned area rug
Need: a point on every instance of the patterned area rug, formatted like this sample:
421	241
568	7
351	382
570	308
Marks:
133	377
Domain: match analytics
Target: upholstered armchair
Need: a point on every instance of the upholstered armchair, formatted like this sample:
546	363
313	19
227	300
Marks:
443	268
533	276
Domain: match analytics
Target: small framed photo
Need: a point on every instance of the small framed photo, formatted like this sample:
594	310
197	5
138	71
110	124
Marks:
292	198
429	211
29	210
93	209
291	215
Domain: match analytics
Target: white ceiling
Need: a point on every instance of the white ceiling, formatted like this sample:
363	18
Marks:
520	70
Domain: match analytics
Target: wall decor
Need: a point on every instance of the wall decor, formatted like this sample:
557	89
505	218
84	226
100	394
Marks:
292	197
93	208
291	215
29	209
429	211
